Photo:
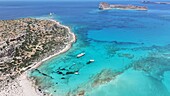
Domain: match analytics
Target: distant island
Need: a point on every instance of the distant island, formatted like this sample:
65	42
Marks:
25	44
150	2
106	6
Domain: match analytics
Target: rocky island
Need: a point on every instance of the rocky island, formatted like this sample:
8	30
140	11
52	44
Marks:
150	2
24	43
106	6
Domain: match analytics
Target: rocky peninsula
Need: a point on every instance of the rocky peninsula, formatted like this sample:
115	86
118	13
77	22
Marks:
25	44
106	6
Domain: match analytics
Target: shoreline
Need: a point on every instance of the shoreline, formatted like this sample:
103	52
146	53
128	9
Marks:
24	86
24	76
68	46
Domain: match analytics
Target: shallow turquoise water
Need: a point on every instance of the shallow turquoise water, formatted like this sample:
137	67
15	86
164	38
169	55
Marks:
130	48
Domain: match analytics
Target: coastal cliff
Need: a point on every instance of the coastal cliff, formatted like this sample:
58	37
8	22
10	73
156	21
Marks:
27	41
106	6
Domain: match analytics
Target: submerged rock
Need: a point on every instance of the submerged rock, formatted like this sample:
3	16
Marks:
67	73
126	55
154	66
104	76
81	93
63	78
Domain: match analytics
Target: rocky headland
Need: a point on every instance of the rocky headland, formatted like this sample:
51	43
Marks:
106	6
25	44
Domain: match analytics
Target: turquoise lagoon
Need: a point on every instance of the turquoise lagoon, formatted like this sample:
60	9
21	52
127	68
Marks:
130	48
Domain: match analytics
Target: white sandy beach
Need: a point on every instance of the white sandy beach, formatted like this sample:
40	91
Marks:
22	86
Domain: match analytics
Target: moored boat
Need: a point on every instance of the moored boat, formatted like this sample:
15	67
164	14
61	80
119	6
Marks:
80	55
90	61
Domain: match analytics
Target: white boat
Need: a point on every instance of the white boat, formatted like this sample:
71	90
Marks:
76	73
90	61
51	14
80	55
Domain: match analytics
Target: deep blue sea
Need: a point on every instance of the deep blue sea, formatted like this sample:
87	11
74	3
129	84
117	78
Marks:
131	49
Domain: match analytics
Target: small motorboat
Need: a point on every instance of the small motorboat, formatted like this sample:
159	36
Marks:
80	55
76	73
51	14
90	61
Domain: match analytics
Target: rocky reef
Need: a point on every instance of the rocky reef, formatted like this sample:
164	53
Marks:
102	78
24	42
153	66
105	76
106	6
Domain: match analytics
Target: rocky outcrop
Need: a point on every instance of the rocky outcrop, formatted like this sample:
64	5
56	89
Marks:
106	6
26	41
